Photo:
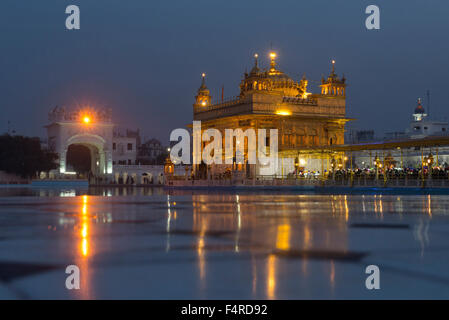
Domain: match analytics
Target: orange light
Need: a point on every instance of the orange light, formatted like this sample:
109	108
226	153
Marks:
284	112
86	119
283	237
84	232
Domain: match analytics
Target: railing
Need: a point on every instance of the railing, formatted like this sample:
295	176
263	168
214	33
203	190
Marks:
219	105
9	182
138	166
346	181
296	100
390	181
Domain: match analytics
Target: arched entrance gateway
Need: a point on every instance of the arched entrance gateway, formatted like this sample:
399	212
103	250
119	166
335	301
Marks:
83	141
79	159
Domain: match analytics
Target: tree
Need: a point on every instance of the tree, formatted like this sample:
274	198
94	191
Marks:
24	156
160	159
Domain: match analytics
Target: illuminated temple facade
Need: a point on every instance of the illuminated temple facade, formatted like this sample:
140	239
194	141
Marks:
270	99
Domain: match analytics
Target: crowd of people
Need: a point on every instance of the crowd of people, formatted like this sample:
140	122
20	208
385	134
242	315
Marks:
440	172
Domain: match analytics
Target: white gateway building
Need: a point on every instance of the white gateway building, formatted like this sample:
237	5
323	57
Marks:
90	130
90	146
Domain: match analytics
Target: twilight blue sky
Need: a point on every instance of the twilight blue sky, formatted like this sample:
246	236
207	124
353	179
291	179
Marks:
144	58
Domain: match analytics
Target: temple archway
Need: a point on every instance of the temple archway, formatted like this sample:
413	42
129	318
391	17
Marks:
96	148
89	132
79	160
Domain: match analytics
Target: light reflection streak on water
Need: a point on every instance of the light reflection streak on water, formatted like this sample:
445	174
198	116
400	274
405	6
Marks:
363	204
381	207
201	260
283	237
84	228
254	275
239	224
332	274
271	277
376	206
307	236
84	248
346	208
398	206
201	224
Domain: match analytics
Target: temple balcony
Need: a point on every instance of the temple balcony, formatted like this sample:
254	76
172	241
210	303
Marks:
317	106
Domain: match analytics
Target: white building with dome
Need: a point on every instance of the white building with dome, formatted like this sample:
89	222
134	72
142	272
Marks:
422	126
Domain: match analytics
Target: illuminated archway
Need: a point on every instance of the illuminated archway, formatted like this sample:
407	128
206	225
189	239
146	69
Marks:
89	128
97	147
79	159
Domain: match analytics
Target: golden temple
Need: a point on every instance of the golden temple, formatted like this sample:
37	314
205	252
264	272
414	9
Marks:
270	99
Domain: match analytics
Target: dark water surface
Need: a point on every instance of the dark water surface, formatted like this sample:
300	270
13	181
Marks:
150	243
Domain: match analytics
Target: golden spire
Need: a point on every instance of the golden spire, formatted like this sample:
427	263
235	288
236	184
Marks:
273	60
255	70
203	96
203	81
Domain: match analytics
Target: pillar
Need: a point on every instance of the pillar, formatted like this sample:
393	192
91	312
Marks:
422	166
62	160
352	173
322	167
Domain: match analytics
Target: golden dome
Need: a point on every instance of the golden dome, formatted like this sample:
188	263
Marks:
270	80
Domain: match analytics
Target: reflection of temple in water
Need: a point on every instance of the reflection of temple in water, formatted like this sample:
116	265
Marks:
275	230
263	226
272	222
269	235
